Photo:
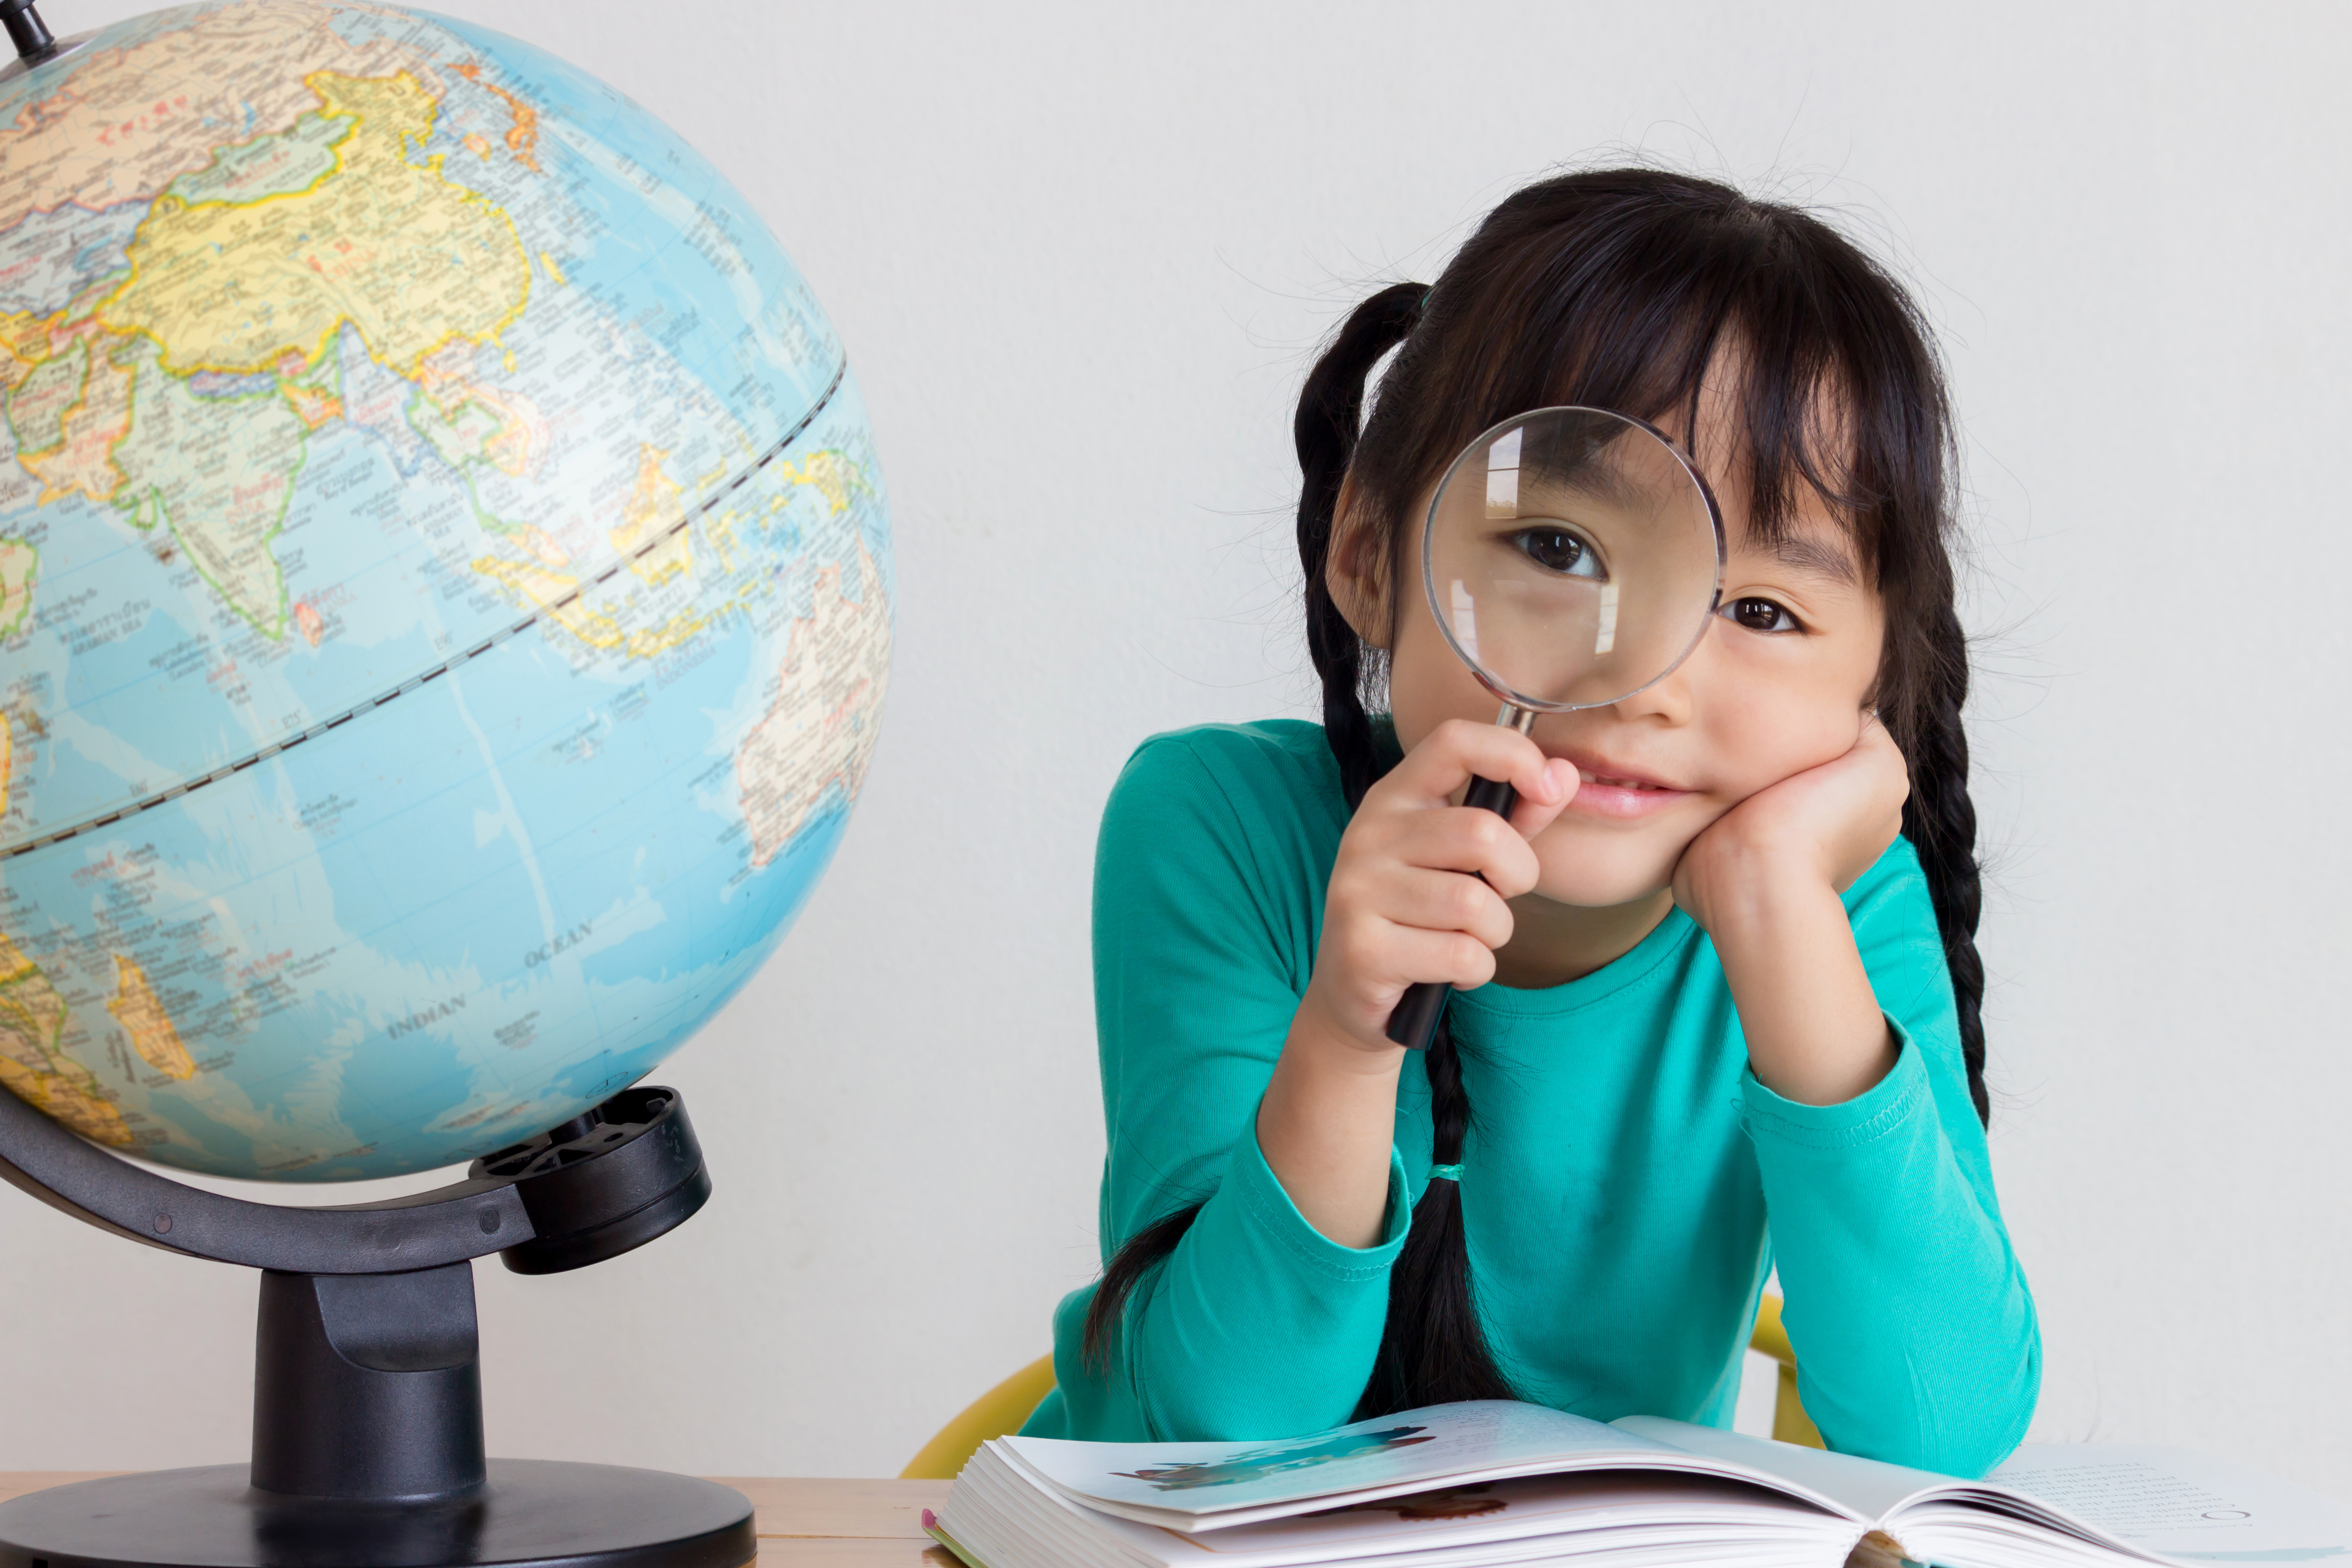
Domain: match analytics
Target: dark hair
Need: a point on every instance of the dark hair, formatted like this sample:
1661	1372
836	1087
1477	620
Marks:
1622	289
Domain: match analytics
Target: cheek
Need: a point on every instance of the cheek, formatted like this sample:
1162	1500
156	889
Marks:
1769	732
1428	685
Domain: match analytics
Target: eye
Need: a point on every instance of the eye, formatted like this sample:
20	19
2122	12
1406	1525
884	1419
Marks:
1556	549
1756	615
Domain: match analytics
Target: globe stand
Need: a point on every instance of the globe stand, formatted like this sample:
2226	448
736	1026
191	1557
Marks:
367	1409
34	43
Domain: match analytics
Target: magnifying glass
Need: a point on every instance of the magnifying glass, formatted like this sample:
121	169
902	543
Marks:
1571	557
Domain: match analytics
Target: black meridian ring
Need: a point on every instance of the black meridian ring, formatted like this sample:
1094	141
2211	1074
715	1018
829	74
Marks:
593	1188
164	797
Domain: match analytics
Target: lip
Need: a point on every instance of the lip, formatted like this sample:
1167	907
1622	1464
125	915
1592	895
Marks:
1611	789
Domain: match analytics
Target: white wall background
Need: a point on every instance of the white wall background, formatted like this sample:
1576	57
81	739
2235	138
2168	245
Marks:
1080	254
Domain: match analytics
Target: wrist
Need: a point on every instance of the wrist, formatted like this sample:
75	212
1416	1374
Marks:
1321	1043
1746	887
1327	1125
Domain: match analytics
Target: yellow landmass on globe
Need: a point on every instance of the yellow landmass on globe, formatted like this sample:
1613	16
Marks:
823	712
830	473
23	344
654	505
20	563
411	258
552	591
719	531
90	430
142	1016
123	123
37	408
32	1063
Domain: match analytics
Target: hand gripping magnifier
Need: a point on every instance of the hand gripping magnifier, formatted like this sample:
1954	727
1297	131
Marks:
1573	557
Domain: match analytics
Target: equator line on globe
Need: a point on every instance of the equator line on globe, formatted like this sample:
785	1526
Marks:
554	607
445	590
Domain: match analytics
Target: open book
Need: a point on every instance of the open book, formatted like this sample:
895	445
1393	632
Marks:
1464	1485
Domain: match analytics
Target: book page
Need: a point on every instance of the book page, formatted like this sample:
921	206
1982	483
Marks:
1870	1489
2182	1504
1401	1452
1704	1516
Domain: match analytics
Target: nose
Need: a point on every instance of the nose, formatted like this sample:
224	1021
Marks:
1667	701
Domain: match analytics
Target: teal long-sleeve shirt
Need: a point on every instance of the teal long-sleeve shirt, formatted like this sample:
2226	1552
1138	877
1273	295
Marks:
1627	1184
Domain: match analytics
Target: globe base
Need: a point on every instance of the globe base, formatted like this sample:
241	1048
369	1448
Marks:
367	1388
529	1513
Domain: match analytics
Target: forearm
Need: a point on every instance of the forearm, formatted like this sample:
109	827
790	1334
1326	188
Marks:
1327	1126
1815	1031
1260	1326
1914	1329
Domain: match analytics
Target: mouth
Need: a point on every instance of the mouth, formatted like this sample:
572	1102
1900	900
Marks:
1608	790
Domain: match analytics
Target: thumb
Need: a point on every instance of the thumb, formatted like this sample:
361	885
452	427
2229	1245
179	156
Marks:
1531	816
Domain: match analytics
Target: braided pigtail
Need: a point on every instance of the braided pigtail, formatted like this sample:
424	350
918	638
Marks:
1432	1349
1941	823
1330	411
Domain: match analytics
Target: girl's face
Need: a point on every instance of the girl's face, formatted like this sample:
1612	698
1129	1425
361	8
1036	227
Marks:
1777	684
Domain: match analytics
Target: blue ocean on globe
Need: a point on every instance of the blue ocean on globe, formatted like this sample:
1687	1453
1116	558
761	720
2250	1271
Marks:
445	590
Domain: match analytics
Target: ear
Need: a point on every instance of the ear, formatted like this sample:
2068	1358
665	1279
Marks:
1357	570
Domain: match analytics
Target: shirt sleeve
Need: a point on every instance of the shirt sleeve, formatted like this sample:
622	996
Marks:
1258	1325
1915	1337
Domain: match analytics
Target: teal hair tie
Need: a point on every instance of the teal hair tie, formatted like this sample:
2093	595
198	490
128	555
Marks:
1445	1172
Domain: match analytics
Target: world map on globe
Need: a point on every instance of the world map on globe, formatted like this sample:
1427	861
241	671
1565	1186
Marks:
445	590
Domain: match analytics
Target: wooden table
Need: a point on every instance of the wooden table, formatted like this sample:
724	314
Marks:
804	1523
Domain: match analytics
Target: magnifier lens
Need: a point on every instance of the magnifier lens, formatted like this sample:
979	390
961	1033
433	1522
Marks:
1571	557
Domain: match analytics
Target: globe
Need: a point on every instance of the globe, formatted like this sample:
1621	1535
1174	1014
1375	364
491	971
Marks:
445	590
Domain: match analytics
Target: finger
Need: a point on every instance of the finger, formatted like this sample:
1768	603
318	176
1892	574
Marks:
1458	750
1446	901
1466	839
1531	816
1445	957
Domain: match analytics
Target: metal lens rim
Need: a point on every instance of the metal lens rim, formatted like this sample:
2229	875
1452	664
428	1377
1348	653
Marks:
1478	444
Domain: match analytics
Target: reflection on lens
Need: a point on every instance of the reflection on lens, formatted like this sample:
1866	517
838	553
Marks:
1571	557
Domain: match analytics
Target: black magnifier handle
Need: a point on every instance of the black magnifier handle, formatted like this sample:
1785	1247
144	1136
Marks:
1414	1023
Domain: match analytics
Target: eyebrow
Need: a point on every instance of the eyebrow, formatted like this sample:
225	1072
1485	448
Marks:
1814	558
1593	482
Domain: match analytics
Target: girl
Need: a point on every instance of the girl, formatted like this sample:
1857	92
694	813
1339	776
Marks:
1719	1002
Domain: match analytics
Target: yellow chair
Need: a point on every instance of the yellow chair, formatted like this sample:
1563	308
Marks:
1790	1422
999	1411
1003	1408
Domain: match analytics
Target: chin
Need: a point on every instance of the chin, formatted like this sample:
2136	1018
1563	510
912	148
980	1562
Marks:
1590	869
